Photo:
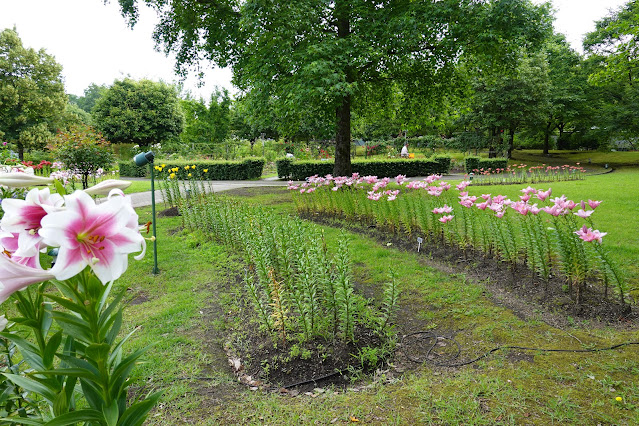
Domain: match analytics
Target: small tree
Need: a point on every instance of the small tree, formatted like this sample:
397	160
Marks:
83	150
142	112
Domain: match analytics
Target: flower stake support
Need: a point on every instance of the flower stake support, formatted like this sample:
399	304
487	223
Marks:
142	159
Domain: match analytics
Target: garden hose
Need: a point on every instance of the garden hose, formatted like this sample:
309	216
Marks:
430	355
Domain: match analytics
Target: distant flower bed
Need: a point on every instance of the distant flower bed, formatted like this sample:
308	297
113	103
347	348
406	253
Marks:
521	173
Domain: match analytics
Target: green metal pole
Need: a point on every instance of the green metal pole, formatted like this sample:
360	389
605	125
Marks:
155	240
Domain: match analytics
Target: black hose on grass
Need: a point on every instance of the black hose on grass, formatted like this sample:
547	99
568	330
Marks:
430	355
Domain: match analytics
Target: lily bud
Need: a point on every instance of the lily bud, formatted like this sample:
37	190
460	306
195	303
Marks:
104	187
23	180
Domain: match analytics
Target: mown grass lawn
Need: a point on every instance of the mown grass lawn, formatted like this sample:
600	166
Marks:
186	309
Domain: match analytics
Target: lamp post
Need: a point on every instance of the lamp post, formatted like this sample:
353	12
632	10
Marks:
142	159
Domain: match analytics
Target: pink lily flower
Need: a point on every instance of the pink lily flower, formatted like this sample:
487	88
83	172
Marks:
375	196
400	179
542	195
524	198
496	207
9	245
589	235
435	190
593	204
24	218
529	190
444	209
15	276
463	184
432	178
584	214
100	237
500	213
445	219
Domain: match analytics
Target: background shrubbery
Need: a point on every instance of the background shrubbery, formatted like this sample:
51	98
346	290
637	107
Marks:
300	170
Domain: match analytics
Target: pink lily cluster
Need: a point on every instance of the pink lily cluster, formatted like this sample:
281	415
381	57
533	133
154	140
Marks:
443	210
355	181
561	206
589	234
87	235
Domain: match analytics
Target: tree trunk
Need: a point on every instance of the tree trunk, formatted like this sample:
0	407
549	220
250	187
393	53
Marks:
20	151
547	139
343	112
511	142
343	139
492	150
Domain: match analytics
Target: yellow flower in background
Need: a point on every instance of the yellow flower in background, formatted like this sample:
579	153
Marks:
189	174
619	399
163	165
172	175
186	167
193	167
175	169
206	170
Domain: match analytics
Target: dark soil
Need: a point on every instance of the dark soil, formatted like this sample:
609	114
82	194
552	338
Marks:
170	212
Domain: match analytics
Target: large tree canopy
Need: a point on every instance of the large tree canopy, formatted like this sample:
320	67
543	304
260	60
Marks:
616	42
31	92
319	55
142	112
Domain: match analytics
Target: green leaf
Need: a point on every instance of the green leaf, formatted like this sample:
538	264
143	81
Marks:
115	327
80	364
33	386
73	372
76	417
136	414
66	303
22	421
111	413
59	188
73	326
92	394
29	351
51	348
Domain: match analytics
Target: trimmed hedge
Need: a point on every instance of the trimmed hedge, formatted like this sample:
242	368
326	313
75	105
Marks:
300	170
476	163
129	169
283	167
250	168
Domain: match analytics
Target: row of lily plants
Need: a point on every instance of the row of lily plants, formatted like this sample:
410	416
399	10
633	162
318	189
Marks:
523	174
62	348
300	289
551	236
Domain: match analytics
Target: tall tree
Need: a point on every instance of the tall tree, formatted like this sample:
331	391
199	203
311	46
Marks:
615	41
614	50
322	53
567	88
207	124
142	112
504	102
90	97
31	92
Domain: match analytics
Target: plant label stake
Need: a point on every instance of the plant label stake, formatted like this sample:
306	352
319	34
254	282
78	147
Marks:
419	243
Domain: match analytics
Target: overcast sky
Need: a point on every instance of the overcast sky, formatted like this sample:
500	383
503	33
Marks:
94	45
